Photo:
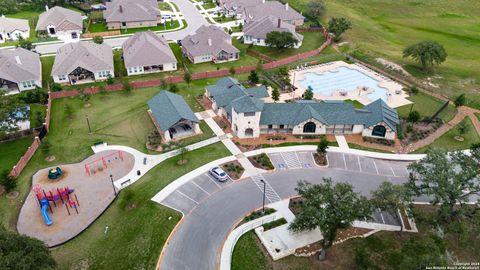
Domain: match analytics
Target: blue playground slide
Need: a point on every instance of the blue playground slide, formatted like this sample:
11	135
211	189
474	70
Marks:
44	204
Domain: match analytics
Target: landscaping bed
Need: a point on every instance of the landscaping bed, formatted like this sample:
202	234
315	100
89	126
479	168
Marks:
234	169
274	224
320	160
262	161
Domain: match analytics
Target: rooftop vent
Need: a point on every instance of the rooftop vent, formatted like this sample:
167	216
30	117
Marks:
17	59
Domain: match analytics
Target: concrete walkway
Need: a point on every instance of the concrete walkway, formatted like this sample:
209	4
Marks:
342	142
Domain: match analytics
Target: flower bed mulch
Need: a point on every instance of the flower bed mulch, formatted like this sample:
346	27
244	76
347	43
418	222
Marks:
262	161
234	169
321	160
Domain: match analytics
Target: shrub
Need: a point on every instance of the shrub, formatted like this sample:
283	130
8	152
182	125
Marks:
98	39
460	100
34	96
173	88
55	87
8	181
127	87
322	146
413	90
463	127
413	116
110	80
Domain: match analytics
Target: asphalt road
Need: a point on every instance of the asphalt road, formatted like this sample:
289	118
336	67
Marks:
212	208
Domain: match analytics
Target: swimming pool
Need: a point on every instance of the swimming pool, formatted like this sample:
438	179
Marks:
342	78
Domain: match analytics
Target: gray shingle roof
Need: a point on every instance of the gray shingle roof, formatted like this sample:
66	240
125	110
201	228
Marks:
271	8
208	40
260	28
381	112
62	18
239	4
131	11
169	108
147	49
9	25
88	55
228	89
20	65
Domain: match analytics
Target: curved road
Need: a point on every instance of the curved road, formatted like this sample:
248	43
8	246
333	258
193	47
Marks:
211	209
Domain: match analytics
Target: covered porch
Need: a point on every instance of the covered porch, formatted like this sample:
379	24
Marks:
81	76
9	87
153	69
181	130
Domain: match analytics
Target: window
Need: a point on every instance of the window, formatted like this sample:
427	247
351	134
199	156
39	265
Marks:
270	126
103	74
62	77
74	35
249	114
282	126
379	131
309	127
28	84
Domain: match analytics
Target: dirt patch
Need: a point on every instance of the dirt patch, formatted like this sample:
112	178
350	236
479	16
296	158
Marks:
406	223
295	205
205	102
234	169
321	160
353	232
50	158
12	195
182	162
392	66
262	161
223	124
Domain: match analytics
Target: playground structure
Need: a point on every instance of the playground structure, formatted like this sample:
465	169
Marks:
102	162
63	194
55	173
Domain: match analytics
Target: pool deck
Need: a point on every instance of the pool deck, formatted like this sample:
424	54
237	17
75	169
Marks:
396	96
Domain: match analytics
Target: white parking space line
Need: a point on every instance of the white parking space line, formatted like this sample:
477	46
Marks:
359	165
392	171
193	182
183	194
344	161
213	180
375	164
383	219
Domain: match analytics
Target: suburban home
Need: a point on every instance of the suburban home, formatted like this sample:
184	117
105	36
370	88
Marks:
147	52
250	115
62	23
255	32
122	14
209	44
233	8
173	117
13	29
20	70
82	62
272	8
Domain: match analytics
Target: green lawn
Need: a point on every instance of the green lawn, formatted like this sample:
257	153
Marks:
447	141
34	108
12	151
98	27
102	27
247	255
383	28
427	105
164	6
360	147
47	65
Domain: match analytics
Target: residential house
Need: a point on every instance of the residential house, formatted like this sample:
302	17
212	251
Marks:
173	117
255	32
13	29
209	44
62	23
82	62
20	70
251	116
147	52
122	14
234	8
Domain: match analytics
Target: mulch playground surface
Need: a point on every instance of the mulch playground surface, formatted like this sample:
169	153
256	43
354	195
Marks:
94	193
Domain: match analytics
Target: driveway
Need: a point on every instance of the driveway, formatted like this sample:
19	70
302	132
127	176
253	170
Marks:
212	208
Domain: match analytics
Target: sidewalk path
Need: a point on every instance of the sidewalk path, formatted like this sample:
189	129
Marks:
342	142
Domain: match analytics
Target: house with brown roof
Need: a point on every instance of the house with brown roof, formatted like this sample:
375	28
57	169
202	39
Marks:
13	29
209	44
255	32
62	23
82	62
122	14
147	52
20	70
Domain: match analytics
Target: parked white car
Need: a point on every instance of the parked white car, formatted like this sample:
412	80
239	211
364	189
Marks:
218	174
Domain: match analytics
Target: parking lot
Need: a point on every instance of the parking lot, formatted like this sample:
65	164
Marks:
341	161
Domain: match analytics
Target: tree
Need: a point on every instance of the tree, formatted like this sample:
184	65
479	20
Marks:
127	87
463	127
281	40
12	111
413	116
316	9
460	100
253	77
110	80
391	198
232	71
426	53
98	39
7	181
188	78
448	179
308	95
275	93
22	252
329	208
322	146
337	26
182	151
259	67
8	6
163	84
421	252
25	43
173	88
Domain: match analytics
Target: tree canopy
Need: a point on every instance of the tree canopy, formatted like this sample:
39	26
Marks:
12	111
426	53
315	9
281	40
337	26
329	207
308	94
390	198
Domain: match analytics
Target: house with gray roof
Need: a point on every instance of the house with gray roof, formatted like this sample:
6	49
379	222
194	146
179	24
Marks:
20	70
147	52
234	8
62	23
272	8
120	14
82	62
173	117
255	32
251	116
13	29
209	44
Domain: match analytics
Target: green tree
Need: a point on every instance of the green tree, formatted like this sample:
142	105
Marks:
322	146
182	151
316	9
308	95
337	26
232	71
127	87
426	53
420	252
283	71
253	77
187	77
98	39
448	179
173	88
281	40
460	100
463	127
275	93
413	116
12	111
329	207
22	252
391	198
259	67
8	6
110	80
25	43
7	181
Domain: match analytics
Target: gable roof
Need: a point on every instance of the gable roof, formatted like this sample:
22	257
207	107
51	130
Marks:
238	4
131	11
271	8
208	39
228	89
9	25
169	108
381	112
245	104
88	55
260	28
19	65
147	49
62	18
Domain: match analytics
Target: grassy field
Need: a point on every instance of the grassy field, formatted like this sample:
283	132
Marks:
12	151
47	65
448	142
427	106
247	256
34	108
383	28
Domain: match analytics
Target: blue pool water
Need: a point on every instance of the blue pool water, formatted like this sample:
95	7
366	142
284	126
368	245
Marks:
343	78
